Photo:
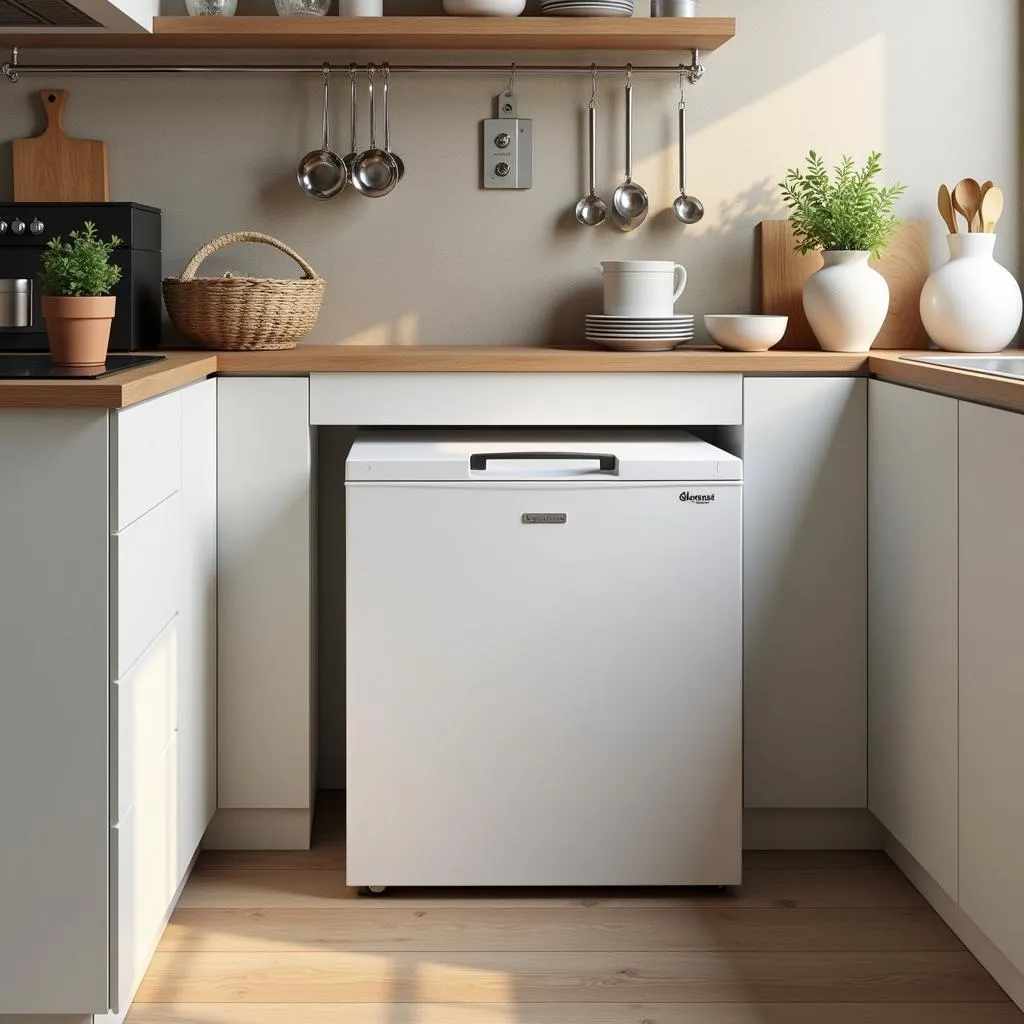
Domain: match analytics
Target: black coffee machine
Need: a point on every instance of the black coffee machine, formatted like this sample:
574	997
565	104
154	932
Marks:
25	228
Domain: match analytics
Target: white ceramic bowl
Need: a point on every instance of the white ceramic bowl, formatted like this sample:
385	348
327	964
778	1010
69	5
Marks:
746	332
485	8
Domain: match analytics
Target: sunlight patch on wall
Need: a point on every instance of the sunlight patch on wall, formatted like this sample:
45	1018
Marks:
405	331
837	108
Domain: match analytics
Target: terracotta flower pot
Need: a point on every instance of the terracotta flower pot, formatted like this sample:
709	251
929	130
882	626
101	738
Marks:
78	327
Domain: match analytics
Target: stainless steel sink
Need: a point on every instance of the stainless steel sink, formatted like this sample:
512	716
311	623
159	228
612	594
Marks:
995	366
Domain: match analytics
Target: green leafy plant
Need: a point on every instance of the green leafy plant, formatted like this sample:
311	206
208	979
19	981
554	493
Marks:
845	212
81	265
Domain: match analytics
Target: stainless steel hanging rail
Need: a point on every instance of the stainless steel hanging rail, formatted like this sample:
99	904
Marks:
13	69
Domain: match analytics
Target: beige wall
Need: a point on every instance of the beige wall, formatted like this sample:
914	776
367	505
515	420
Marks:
441	261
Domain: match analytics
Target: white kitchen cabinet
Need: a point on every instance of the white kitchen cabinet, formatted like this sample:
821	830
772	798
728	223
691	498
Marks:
264	554
99	748
805	592
912	597
197	697
991	677
54	684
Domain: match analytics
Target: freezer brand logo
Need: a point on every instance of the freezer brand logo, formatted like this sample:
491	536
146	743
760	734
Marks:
545	518
697	499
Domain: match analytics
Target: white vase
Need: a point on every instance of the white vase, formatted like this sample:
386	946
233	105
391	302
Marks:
846	302
971	303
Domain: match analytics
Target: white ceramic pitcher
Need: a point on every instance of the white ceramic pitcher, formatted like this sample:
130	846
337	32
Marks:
642	288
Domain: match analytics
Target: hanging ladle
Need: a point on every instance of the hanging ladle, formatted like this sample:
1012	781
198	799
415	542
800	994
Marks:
630	202
688	209
591	209
321	172
350	157
399	162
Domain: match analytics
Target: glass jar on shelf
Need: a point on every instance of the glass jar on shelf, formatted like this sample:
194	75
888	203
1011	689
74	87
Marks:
293	8
202	8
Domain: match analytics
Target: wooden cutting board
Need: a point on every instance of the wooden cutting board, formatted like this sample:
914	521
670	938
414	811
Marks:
55	168
904	266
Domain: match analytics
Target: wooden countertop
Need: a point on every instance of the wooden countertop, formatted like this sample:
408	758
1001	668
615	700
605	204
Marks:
945	380
114	392
181	368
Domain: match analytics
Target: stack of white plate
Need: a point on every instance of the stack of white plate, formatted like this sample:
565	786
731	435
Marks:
639	333
588	8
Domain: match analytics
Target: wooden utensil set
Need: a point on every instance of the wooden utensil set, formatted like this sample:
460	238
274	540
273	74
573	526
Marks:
981	206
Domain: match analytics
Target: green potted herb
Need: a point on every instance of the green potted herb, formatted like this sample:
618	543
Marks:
849	218
77	279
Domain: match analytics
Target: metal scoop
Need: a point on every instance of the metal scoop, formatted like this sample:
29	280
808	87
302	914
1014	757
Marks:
630	202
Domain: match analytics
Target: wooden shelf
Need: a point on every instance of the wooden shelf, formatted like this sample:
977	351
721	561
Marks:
629	35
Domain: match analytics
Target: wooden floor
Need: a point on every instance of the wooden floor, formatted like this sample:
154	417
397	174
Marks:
810	938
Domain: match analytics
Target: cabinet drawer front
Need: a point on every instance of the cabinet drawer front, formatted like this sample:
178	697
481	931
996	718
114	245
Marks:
144	582
145	458
144	717
525	399
144	877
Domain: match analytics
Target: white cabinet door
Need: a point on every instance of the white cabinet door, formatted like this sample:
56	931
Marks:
145	581
912	597
264	600
197	698
145	458
54	683
805	592
991	676
144	876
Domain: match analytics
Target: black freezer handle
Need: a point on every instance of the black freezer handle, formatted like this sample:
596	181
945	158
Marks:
606	463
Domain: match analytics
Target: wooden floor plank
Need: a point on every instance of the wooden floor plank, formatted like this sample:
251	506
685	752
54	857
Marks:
575	1013
802	860
328	852
811	937
311	977
813	888
382	928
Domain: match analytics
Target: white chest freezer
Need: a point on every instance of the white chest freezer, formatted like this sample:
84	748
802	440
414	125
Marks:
544	668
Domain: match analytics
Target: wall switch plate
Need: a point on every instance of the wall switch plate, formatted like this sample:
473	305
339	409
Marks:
507	147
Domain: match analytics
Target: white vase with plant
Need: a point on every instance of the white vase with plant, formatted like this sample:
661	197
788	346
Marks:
849	219
77	278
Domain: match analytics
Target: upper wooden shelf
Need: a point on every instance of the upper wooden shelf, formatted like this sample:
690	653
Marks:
632	35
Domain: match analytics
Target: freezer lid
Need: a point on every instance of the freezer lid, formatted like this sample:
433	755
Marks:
536	455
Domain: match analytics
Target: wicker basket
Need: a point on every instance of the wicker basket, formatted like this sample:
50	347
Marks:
242	313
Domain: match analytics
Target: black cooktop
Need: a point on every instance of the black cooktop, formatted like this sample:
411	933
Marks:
38	366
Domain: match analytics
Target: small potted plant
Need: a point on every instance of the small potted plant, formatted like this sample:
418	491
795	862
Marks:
77	279
849	218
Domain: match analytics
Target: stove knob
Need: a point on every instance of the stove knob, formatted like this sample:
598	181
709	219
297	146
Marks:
36	227
18	226
3	227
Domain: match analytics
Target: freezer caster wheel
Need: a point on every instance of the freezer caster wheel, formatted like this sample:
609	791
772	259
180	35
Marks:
372	890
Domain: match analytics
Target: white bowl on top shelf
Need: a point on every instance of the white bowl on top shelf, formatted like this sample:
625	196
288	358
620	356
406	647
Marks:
746	332
485	8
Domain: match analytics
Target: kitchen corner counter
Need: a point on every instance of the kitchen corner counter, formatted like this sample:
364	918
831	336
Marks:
185	367
114	392
967	385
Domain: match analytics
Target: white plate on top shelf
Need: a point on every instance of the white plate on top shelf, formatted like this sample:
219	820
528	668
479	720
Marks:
618	321
485	8
663	335
587	11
